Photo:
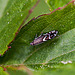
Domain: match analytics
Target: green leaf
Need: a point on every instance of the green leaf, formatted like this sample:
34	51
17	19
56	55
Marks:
41	8
2	6
3	72
12	16
68	69
16	72
53	4
62	47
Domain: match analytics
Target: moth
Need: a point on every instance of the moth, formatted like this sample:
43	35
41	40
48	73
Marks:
44	37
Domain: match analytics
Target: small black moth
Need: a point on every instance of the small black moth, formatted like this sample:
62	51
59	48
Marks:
44	37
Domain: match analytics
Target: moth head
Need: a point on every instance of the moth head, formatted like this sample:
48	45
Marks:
32	43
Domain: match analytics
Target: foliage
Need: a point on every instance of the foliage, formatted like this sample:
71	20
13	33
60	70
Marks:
17	31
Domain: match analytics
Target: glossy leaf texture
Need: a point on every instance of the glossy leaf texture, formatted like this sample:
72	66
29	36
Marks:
54	4
12	16
61	48
2	6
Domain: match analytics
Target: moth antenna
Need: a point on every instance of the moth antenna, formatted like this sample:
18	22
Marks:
41	33
36	36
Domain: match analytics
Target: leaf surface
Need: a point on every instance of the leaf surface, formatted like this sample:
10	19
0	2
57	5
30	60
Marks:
16	72
41	8
63	46
12	16
53	4
2	72
63	70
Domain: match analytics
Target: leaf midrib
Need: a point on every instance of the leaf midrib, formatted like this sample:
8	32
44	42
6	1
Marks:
51	59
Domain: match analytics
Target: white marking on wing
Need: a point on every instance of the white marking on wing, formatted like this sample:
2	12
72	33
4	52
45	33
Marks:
49	36
53	31
54	34
50	32
44	38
